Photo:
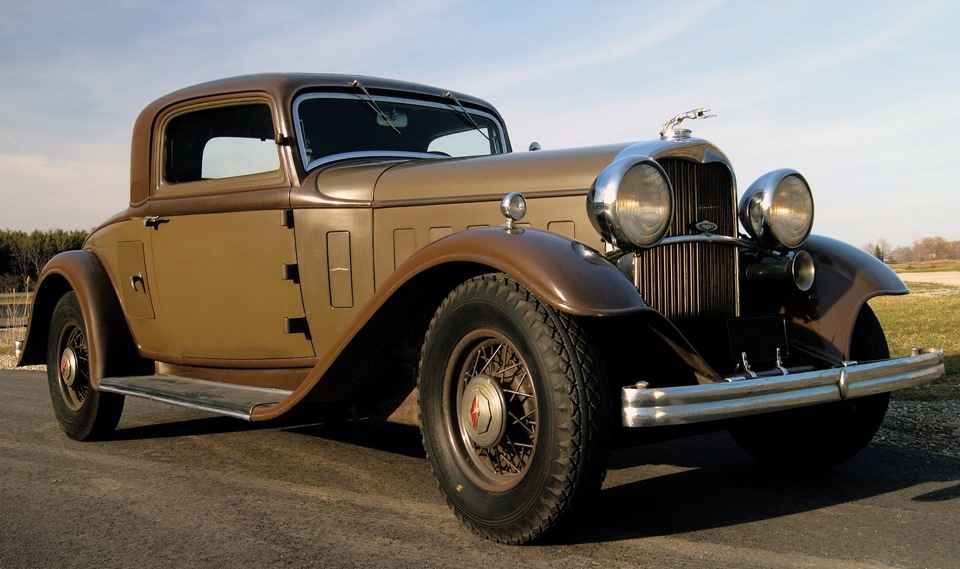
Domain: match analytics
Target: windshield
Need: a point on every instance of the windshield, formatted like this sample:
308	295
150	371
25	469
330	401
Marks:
335	126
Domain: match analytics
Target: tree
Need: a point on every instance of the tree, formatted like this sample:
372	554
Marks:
931	249
880	249
23	255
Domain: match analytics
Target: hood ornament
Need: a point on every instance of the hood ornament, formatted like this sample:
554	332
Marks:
670	132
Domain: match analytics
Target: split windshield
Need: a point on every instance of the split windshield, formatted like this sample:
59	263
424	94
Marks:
338	126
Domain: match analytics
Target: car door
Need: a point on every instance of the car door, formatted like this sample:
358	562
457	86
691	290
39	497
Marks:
222	244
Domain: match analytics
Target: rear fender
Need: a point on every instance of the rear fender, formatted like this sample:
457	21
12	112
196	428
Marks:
111	346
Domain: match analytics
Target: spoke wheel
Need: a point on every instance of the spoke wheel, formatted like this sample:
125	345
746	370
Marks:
514	411
82	412
492	391
73	377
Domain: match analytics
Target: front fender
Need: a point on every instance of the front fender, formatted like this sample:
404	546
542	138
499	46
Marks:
846	278
565	274
110	344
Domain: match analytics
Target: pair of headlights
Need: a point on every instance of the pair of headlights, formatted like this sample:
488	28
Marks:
631	206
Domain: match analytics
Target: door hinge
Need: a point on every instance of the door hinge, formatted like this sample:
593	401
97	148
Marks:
296	326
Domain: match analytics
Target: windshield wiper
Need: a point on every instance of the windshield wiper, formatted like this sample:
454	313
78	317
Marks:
373	105
466	115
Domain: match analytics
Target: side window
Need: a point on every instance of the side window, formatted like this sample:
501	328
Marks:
216	143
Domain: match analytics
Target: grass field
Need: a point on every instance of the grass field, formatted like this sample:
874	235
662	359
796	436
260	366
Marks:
930	317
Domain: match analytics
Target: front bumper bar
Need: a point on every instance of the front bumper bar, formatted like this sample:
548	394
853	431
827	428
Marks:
656	407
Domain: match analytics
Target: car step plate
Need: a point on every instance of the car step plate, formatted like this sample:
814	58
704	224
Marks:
223	398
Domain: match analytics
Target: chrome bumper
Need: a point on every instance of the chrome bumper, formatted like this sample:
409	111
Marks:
655	407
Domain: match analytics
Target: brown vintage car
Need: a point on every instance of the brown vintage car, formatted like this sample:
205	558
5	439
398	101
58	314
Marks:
362	242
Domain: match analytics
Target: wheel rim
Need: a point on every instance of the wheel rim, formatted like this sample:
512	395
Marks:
492	411
74	371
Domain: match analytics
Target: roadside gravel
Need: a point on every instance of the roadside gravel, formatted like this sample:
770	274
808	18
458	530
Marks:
932	426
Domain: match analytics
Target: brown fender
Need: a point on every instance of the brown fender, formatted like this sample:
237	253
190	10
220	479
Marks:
565	274
111	346
846	278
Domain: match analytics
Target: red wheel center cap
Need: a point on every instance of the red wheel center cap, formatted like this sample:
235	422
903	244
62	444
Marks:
475	411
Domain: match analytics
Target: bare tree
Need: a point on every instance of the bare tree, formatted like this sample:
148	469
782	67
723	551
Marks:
931	249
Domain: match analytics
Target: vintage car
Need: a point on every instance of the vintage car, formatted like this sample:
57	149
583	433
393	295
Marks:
294	239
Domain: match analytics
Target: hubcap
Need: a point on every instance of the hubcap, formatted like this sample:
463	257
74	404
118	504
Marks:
483	411
68	367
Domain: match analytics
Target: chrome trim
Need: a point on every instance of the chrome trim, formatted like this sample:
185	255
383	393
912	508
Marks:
722	239
655	407
227	399
380	154
603	202
756	207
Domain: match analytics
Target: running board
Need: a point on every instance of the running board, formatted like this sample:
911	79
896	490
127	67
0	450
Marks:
223	398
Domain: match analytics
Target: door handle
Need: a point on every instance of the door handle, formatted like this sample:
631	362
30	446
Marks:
138	278
154	221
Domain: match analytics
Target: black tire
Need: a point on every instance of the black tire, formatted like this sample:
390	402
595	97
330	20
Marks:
82	412
816	438
513	410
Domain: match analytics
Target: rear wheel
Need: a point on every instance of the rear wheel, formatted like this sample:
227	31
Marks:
819	437
82	412
513	411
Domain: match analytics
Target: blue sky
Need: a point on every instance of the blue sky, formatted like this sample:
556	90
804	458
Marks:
862	98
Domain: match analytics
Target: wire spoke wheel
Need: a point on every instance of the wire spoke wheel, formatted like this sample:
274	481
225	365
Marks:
83	412
513	410
73	372
497	411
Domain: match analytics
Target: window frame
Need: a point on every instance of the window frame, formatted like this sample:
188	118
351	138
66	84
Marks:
308	166
260	180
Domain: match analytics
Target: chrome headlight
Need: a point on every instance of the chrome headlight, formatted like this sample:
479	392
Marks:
631	203
777	209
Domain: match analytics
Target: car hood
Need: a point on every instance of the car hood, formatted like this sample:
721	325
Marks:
392	183
491	177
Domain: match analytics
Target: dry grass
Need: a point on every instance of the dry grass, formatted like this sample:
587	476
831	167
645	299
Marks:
930	317
13	320
926	266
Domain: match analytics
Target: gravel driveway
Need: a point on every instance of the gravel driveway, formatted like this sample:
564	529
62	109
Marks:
947	277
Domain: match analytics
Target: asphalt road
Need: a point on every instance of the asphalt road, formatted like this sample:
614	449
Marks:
180	488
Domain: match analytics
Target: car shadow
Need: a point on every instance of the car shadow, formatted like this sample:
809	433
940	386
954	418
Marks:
300	417
655	489
697	483
717	485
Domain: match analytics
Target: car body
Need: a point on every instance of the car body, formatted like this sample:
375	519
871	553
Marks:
298	238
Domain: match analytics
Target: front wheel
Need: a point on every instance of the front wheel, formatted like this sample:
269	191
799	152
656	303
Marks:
82	412
822	436
513	411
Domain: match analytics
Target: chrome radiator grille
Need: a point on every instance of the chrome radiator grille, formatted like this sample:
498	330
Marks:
694	284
